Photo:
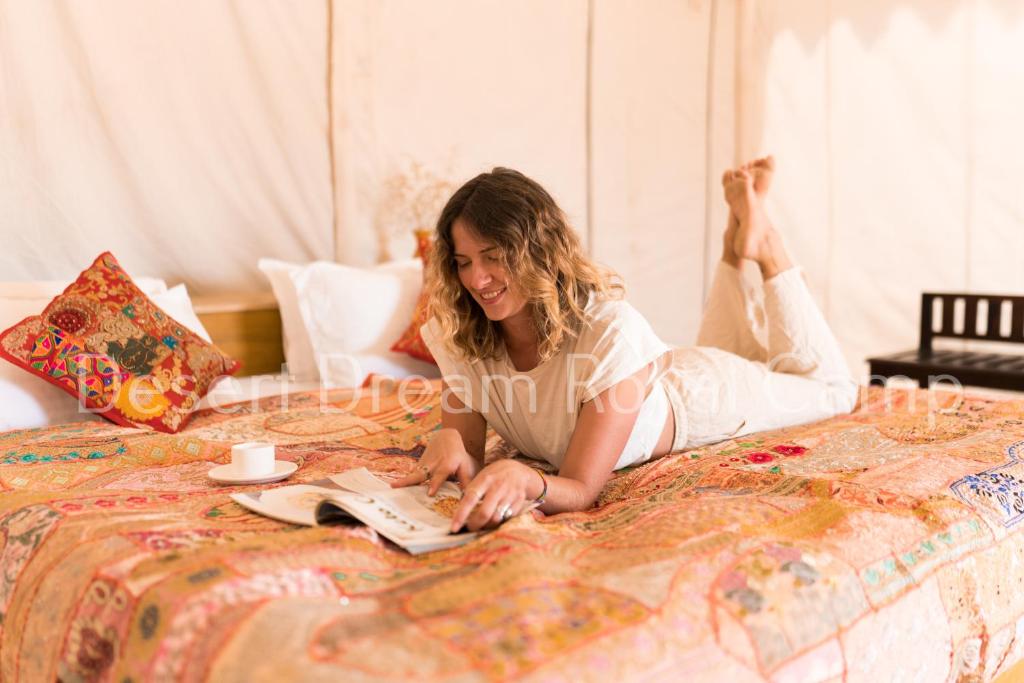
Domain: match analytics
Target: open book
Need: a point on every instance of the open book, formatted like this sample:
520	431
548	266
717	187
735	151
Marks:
407	516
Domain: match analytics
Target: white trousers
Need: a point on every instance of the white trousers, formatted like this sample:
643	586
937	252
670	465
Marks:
730	385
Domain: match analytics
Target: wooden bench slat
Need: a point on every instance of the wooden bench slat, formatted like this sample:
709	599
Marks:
1005	362
947	316
981	358
995	314
1017	321
971	315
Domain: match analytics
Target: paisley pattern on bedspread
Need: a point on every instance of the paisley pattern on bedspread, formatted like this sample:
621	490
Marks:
798	553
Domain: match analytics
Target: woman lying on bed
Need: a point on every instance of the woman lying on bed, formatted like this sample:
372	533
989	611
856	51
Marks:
535	340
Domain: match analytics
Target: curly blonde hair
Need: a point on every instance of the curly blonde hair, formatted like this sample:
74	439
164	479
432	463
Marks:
538	249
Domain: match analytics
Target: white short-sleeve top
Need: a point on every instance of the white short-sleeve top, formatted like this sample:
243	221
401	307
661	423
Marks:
536	410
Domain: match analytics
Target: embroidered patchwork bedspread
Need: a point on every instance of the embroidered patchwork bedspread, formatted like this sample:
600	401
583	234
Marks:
878	546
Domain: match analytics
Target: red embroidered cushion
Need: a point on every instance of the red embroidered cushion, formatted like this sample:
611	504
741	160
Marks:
104	342
410	342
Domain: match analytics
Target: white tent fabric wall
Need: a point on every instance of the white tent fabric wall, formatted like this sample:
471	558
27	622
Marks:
455	88
460	87
648	141
193	139
900	168
189	139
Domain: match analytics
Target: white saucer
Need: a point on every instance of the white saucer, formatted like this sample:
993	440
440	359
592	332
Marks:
225	474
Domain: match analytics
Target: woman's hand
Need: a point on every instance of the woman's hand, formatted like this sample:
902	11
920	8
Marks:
444	456
501	490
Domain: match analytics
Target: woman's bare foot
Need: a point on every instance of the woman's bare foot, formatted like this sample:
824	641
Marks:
753	237
731	227
752	224
762	171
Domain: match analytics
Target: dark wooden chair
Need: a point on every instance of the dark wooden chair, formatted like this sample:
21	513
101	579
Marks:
925	364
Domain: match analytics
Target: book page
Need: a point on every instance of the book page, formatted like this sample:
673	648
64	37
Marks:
296	504
408	516
406	512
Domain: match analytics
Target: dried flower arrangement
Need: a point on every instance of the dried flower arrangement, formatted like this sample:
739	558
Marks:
410	200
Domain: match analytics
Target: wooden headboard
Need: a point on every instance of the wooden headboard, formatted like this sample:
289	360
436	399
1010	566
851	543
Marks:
246	326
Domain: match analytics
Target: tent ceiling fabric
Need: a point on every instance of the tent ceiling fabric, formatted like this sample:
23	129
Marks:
188	139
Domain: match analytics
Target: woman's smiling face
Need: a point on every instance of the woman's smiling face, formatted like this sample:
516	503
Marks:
483	274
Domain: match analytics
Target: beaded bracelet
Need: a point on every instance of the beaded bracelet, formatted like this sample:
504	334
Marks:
539	500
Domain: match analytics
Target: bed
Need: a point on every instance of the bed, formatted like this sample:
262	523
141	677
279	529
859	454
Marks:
882	545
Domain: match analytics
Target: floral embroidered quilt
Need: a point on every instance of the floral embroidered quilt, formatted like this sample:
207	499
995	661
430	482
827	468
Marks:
882	545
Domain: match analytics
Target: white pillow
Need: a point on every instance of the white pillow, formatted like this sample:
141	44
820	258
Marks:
27	401
352	316
298	350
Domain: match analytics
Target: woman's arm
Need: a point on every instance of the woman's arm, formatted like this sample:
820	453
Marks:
602	430
470	425
457	448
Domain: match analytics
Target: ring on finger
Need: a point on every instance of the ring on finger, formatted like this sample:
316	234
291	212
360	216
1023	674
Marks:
506	513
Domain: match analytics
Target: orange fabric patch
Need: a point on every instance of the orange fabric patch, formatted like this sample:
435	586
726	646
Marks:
411	342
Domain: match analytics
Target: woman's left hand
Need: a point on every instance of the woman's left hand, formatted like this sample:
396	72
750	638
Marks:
499	492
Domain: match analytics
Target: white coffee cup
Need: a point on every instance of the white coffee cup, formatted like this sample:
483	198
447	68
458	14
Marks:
252	459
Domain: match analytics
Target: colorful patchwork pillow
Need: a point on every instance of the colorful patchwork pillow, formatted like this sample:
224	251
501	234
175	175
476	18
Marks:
106	343
410	342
